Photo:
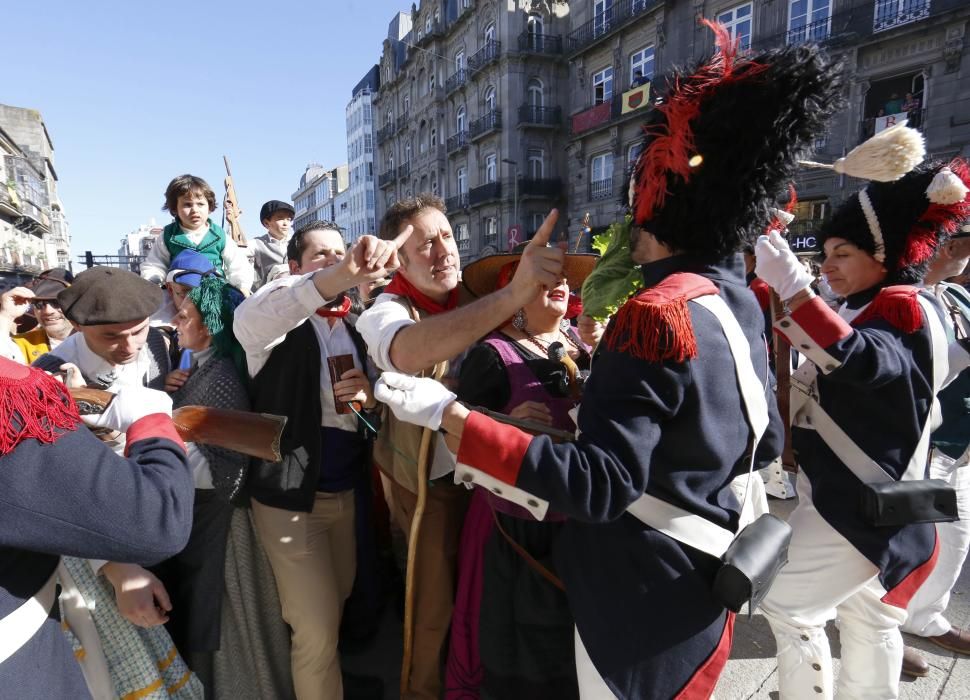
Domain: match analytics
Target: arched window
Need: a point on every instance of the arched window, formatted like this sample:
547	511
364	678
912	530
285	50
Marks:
434	135
407	151
489	99
459	60
534	93
460	120
533	29
489	35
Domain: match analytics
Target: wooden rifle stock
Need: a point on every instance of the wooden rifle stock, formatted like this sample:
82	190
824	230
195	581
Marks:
253	434
233	212
782	352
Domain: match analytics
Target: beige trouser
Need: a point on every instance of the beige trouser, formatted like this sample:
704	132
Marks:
314	560
436	563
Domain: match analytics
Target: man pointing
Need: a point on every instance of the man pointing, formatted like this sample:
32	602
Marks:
421	322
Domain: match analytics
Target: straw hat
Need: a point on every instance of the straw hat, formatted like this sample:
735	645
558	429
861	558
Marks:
481	276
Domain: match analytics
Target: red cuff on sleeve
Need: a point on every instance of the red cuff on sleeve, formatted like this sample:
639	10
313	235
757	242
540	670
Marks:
495	448
823	325
156	425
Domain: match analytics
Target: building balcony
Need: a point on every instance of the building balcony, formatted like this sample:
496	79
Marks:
873	125
601	189
613	18
386	178
593	117
457	203
402	122
403	170
540	44
894	13
456	80
488	124
489	239
436	32
485	56
457	142
534	115
385	133
817	32
489	192
540	187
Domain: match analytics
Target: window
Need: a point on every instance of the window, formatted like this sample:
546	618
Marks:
407	152
459	61
632	153
737	21
461	236
434	185
431	81
421	83
407	105
491	167
603	86
423	137
808	20
434	136
489	34
601	176
489	230
427	25
461	178
537	163
602	16
489	99
641	66
460	120
892	13
534	90
533	28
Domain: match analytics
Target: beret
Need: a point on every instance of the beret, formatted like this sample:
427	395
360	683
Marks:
102	295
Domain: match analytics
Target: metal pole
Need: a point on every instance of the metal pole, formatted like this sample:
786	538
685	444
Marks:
515	197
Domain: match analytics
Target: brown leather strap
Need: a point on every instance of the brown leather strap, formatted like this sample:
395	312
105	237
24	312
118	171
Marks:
528	558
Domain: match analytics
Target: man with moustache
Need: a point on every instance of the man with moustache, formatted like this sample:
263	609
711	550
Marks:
52	326
417	323
303	507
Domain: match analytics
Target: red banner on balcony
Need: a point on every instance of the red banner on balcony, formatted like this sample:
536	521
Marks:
600	114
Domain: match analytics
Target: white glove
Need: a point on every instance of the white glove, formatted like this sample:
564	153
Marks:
779	267
414	399
128	405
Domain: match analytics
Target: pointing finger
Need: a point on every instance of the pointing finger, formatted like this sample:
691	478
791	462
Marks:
544	234
403	236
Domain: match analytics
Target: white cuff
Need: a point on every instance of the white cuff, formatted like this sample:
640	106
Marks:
806	345
470	476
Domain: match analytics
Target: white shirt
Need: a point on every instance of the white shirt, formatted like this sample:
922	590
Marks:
236	265
263	320
10	349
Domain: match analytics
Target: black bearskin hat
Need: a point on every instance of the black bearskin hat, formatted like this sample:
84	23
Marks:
907	220
722	144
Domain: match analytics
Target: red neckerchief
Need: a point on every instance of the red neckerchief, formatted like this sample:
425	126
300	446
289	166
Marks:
335	311
403	288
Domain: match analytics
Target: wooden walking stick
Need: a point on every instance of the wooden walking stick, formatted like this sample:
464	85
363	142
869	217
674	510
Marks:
782	352
423	473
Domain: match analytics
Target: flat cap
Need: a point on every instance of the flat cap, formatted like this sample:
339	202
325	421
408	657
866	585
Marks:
273	206
102	295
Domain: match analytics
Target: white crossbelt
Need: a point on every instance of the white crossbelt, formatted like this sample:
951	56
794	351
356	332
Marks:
812	416
19	626
686	527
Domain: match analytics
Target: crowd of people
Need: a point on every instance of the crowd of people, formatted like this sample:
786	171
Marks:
562	498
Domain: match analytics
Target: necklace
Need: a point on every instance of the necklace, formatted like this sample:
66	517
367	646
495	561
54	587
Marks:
544	346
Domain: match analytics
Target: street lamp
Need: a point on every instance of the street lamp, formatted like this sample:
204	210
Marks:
515	190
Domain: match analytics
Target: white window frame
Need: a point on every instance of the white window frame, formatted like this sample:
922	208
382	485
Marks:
536	163
461	180
461	119
633	152
602	16
640	59
489	34
490	100
491	168
535	89
461	236
805	31
732	23
459	60
603	78
605	161
490	229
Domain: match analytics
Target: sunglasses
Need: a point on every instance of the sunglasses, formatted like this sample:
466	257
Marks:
41	303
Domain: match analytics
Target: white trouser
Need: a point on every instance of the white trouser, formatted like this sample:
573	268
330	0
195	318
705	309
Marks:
826	576
928	605
591	683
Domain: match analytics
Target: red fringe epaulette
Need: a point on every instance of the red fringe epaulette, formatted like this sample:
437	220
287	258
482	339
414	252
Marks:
33	405
655	325
898	306
762	292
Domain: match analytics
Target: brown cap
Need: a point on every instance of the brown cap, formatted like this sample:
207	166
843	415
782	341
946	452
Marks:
102	295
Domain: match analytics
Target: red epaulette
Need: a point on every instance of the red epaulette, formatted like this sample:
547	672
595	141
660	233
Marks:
655	324
33	405
898	306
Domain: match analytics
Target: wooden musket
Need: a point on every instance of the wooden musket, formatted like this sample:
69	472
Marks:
233	212
253	434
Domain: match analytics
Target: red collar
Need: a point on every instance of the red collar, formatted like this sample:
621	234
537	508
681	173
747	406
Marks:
338	311
402	287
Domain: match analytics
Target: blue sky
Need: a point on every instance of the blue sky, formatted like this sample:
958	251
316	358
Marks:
134	93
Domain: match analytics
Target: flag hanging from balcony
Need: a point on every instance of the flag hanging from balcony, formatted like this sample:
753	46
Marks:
636	98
